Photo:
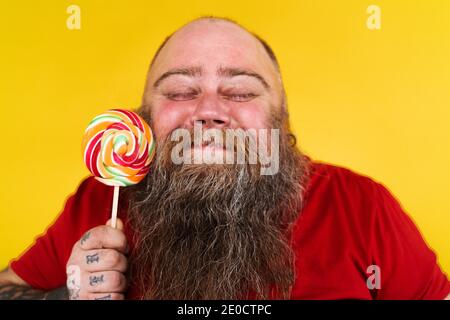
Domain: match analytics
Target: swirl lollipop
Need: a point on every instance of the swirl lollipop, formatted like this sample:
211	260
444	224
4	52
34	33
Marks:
118	148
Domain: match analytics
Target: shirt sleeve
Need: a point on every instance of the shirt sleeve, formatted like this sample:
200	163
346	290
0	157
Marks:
408	267
43	264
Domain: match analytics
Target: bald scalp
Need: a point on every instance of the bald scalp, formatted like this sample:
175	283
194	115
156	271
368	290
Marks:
212	19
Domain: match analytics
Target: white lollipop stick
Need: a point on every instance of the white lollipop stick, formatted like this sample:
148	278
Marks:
114	207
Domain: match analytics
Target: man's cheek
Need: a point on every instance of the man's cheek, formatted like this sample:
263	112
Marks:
168	117
251	115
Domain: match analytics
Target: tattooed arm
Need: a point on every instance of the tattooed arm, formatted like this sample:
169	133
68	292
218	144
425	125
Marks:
12	287
18	292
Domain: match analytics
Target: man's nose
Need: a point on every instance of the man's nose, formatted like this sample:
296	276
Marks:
211	114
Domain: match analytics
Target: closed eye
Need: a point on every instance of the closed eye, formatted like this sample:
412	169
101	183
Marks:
240	97
181	96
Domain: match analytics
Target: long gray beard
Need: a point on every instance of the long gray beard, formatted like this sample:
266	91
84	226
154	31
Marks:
215	231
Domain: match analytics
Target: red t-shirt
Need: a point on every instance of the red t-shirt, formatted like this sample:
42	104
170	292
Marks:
348	223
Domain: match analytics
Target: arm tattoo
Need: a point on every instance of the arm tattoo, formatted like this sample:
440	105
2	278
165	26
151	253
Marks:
92	258
95	280
17	292
85	237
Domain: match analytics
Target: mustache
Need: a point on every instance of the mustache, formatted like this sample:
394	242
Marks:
182	146
228	139
227	146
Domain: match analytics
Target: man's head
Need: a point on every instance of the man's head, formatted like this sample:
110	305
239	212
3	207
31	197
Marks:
215	231
215	72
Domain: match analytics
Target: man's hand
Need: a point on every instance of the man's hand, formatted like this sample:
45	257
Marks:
96	267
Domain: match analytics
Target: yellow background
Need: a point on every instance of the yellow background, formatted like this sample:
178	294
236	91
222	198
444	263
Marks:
377	101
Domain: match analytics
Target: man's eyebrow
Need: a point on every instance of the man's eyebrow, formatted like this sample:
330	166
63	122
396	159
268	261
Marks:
190	72
232	72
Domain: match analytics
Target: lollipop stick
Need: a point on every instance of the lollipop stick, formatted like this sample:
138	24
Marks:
114	207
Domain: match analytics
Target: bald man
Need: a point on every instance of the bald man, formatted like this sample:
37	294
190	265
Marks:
228	229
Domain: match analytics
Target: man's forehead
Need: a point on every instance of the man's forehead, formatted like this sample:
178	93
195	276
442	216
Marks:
207	41
221	30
